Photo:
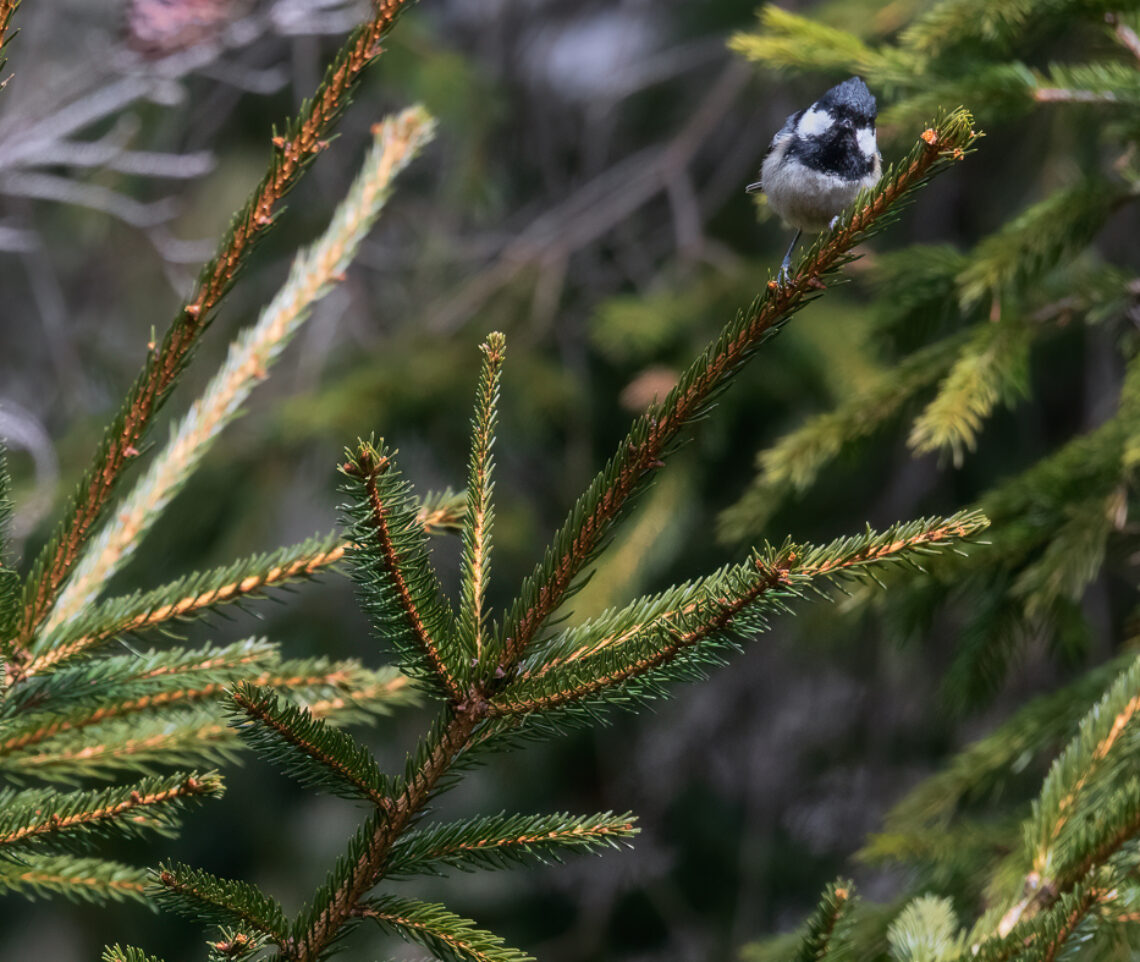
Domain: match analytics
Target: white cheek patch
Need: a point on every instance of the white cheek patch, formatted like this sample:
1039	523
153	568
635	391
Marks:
813	123
865	137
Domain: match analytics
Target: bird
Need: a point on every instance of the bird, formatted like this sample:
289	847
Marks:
820	159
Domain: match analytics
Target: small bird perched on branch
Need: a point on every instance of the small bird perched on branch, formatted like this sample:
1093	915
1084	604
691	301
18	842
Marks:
820	159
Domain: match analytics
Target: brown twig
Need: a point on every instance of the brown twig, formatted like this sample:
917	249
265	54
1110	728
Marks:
299	567
190	786
381	524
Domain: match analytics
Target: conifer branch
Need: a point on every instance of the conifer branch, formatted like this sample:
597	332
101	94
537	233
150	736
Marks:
185	725
79	879
992	369
315	270
407	596
1114	719
340	898
445	934
731	603
199	895
128	744
1040	937
316	754
186	598
479	518
824	930
155	681
303	139
654	435
7	9
498	841
652	438
42	815
126	953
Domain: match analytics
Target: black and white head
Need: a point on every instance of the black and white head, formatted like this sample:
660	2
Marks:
821	158
836	134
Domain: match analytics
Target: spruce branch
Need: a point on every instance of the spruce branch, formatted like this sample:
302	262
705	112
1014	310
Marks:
1083	773
926	931
1041	937
655	434
302	140
993	368
306	748
1052	230
36	817
203	897
357	872
9	577
126	953
315	270
824	935
7	9
790	41
479	518
446	935
79	879
185	726
499	841
186	598
390	562
629	656
1103	82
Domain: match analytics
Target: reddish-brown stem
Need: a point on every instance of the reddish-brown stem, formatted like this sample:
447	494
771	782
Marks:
189	787
365	873
291	156
381	524
258	713
183	607
7	8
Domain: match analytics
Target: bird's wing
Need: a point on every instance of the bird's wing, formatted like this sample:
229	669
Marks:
786	131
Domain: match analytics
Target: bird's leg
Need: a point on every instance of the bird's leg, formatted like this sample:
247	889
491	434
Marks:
786	266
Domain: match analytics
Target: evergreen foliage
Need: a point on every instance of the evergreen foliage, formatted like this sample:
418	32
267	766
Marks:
961	331
826	933
957	333
74	709
530	677
1040	857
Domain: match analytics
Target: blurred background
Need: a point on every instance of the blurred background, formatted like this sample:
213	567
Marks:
585	196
